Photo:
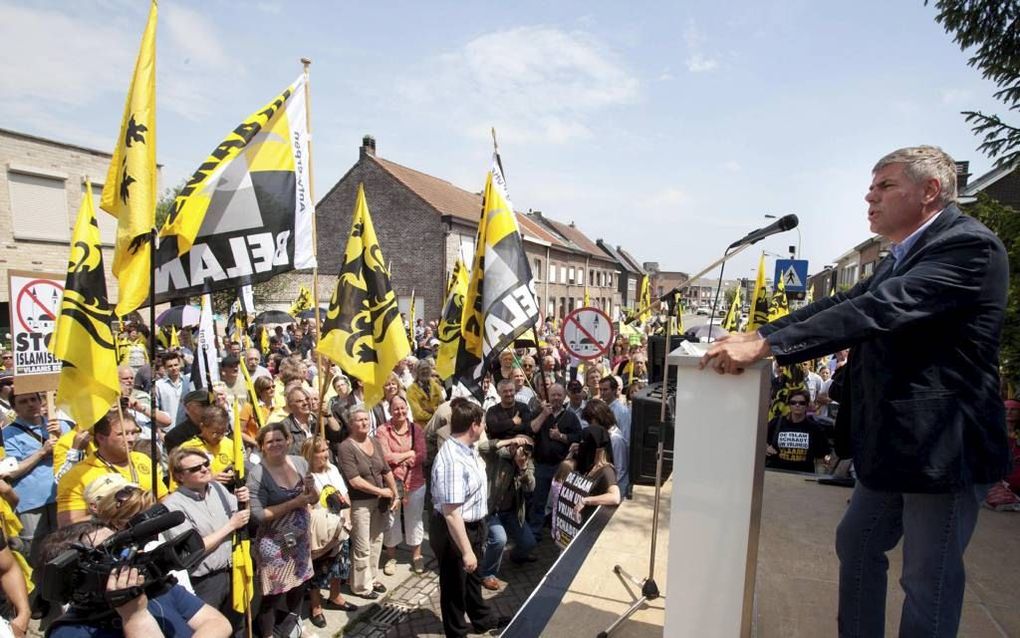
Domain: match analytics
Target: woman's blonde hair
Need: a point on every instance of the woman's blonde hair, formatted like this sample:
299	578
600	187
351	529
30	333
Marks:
117	508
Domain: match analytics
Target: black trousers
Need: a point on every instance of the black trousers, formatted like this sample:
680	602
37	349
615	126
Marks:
459	591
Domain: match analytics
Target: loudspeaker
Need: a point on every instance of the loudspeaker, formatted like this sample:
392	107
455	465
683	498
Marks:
655	355
645	431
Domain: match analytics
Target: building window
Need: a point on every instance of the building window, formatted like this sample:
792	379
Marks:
550	310
563	274
39	207
538	269
552	273
570	276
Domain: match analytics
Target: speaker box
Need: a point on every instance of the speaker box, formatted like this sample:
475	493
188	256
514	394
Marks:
655	355
645	431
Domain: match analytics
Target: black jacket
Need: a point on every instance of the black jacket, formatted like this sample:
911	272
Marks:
921	393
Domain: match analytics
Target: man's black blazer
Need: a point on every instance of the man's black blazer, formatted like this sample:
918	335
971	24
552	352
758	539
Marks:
922	384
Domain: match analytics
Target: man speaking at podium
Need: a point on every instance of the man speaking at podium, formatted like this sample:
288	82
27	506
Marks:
921	396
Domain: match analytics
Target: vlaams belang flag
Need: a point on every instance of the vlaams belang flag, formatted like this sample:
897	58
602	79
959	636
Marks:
129	193
760	301
362	331
448	332
83	338
500	304
245	215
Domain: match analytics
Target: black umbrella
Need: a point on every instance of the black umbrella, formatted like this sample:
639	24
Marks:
310	313
179	316
273	316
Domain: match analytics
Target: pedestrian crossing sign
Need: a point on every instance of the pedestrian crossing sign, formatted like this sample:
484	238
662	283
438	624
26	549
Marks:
793	273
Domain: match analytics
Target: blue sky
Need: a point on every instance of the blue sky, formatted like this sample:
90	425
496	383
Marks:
669	128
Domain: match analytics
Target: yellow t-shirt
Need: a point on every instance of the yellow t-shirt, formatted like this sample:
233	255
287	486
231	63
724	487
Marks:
64	444
71	488
221	457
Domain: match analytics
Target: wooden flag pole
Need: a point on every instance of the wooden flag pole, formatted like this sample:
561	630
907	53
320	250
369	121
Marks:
320	377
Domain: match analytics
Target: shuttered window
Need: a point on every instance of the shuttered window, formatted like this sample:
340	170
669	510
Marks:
39	207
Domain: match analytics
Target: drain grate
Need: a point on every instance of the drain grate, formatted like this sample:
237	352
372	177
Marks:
389	614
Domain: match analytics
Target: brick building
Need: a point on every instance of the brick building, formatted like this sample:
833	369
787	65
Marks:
630	273
40	192
424	223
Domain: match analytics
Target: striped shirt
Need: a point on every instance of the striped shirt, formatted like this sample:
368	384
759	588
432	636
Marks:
458	478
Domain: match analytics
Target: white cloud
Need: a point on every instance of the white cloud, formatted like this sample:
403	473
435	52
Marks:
733	166
698	63
536	83
74	61
194	38
697	60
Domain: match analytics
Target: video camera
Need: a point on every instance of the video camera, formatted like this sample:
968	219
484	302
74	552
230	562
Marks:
79	575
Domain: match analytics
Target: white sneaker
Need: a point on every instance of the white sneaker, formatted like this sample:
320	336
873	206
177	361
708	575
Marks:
390	567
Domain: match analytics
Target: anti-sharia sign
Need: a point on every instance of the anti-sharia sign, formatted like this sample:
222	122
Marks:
566	520
34	303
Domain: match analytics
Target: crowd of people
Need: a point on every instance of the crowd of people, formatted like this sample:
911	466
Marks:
332	487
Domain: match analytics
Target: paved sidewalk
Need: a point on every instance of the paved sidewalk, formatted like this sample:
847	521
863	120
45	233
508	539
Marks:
411	608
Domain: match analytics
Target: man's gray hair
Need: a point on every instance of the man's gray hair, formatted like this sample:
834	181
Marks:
504	383
922	163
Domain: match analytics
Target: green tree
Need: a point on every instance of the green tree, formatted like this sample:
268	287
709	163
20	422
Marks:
1005	222
991	30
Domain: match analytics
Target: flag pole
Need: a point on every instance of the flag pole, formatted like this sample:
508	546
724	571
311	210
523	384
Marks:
320	377
154	447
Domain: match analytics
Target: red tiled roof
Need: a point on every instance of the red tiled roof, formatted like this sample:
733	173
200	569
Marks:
438	193
574	234
530	228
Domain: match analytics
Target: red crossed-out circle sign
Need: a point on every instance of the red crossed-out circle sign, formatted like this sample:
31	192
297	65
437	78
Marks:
38	304
587	333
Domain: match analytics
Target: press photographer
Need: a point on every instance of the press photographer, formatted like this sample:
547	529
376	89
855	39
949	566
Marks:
113	588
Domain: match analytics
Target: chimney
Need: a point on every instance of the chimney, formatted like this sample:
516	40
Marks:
367	146
962	175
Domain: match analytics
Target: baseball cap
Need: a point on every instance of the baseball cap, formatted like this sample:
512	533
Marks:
202	396
104	485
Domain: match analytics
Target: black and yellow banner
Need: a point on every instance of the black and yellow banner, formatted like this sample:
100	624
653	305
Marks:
448	332
83	337
362	331
500	304
760	301
245	215
129	193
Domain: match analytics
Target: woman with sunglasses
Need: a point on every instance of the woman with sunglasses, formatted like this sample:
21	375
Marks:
212	440
281	490
796	441
215	513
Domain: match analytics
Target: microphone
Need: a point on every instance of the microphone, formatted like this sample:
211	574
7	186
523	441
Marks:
145	530
784	223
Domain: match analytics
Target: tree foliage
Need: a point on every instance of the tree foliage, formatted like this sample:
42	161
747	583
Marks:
1004	221
990	29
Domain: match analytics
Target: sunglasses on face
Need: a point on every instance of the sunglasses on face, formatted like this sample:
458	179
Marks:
798	402
195	469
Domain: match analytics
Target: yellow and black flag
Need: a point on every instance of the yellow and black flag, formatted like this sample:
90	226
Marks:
242	570
362	331
129	193
448	332
500	304
83	338
302	303
645	300
731	322
760	301
779	306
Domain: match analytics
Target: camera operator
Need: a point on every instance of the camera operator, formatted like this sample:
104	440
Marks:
212	511
175	612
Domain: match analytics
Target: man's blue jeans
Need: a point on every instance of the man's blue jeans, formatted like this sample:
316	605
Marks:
935	529
502	526
544	473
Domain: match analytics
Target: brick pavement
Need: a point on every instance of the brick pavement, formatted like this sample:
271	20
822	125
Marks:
411	609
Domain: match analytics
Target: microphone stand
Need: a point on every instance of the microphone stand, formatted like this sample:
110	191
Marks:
649	588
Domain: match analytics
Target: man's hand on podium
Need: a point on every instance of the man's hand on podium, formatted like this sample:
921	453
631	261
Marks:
730	354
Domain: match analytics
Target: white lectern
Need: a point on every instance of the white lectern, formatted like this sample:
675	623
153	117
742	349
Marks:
718	467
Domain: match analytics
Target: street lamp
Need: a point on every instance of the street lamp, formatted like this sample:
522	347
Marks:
797	255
